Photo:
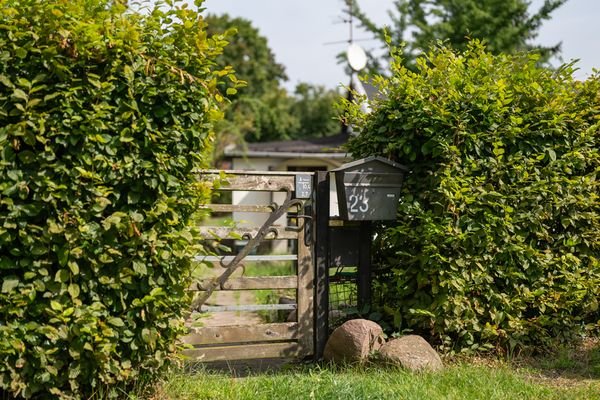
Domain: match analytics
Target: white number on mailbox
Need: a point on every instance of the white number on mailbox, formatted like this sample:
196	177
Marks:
358	203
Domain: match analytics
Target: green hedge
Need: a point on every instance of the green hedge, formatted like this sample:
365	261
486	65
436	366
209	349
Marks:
497	240
105	114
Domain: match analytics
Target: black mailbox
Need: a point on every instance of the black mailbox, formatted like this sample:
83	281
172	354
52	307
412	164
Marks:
369	189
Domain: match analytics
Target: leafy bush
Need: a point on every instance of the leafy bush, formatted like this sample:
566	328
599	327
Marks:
105	113
497	240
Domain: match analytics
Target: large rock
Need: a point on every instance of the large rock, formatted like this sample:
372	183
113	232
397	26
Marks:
353	341
284	315
411	352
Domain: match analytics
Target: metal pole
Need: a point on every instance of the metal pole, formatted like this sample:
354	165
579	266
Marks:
321	224
364	268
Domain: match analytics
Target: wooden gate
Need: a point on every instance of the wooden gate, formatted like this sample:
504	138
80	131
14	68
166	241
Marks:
277	203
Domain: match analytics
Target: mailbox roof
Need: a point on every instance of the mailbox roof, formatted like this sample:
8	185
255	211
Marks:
369	163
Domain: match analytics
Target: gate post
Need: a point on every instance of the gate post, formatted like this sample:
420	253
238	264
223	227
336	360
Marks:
364	268
321	224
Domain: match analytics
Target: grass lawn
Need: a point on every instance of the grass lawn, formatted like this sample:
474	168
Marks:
458	381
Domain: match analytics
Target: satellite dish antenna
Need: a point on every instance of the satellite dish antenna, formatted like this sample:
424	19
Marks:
357	58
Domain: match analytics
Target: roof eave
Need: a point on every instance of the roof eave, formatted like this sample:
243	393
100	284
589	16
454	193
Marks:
285	154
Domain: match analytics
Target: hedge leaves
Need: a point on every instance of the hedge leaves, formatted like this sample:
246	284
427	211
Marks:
105	113
497	242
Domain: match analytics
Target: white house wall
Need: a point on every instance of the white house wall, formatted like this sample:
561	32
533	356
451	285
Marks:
244	219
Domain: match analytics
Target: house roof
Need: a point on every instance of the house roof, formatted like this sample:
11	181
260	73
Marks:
330	146
323	147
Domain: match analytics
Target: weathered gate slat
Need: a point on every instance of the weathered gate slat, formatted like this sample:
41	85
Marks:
242	334
305	294
248	307
228	259
224	232
246	352
251	208
255	183
252	283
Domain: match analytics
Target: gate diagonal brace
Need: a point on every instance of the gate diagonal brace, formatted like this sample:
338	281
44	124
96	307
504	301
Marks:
264	230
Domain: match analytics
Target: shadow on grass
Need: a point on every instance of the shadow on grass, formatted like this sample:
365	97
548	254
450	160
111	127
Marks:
576	362
243	368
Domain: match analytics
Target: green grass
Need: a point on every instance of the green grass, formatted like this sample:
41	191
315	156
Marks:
270	268
460	382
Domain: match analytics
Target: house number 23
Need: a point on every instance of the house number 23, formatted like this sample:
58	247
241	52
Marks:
358	203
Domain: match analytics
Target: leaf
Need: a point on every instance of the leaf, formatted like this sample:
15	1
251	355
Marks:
27	157
21	95
14	175
128	73
100	204
33	102
24	83
140	267
6	82
6	263
105	258
115	321
38	249
96	83
39	78
21	52
52	370
63	256
55	305
74	290
9	284
147	335
136	217
74	267
112	220
51	96
62	276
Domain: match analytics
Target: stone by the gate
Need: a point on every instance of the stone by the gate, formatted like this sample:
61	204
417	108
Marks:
289	316
292	316
411	352
353	341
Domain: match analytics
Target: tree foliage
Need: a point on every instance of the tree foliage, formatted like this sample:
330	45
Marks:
105	114
250	53
506	26
263	110
314	106
259	111
497	241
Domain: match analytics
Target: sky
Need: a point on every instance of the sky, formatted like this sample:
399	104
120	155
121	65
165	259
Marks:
298	30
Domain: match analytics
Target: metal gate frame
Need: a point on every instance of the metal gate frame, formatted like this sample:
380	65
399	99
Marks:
273	340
